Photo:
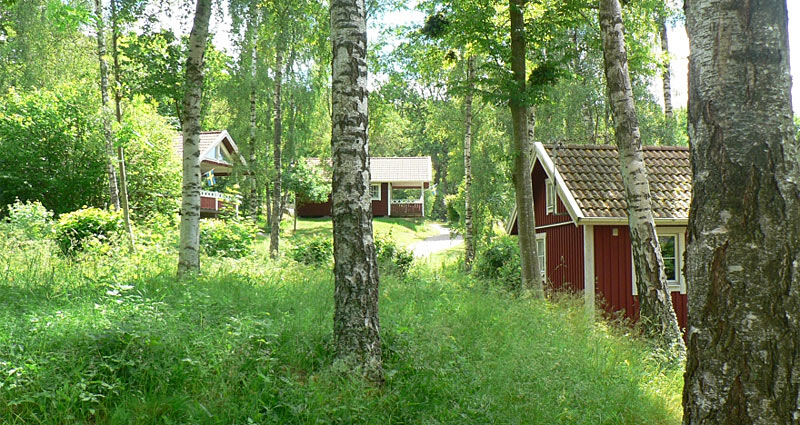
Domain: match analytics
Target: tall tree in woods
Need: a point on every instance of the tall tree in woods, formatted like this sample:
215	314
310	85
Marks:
666	73
743	258
253	199
189	260
531	274
123	174
277	129
469	243
356	329
655	304
107	134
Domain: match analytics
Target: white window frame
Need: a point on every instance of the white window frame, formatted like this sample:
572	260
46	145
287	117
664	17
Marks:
372	194
680	250
550	195
542	254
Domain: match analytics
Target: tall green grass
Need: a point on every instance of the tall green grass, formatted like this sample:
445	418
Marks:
110	338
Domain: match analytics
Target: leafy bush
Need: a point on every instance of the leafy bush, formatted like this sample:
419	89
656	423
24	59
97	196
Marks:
30	218
317	250
51	149
76	229
226	238
499	261
391	257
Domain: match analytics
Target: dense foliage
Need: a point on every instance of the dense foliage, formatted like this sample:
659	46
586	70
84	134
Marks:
89	225
227	238
51	149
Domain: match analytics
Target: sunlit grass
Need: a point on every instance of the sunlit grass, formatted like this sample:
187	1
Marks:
111	338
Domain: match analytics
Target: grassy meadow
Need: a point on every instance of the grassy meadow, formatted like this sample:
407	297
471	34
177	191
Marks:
112	338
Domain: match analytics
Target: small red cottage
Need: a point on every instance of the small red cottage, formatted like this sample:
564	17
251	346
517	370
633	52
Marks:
582	224
397	187
217	154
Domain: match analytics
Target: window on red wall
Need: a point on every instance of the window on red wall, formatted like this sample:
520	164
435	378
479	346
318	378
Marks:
550	196
375	191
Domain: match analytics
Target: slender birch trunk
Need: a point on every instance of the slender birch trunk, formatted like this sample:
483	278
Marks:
123	174
743	259
188	257
277	208
356	328
655	304
523	189
254	203
107	134
469	244
666	73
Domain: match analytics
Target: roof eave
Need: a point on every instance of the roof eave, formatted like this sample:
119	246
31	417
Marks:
573	209
611	221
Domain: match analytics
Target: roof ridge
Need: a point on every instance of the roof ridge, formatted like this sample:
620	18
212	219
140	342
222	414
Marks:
614	147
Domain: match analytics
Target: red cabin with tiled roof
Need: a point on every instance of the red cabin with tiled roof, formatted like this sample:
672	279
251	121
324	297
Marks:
582	224
218	152
397	187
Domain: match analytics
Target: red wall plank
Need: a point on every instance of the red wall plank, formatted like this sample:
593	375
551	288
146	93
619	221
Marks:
565	257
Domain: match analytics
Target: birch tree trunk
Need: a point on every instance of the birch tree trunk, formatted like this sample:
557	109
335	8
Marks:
666	73
469	244
101	55
526	220
254	203
123	174
743	259
655	304
188	257
277	208
356	328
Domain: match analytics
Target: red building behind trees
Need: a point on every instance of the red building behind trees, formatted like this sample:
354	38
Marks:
582	226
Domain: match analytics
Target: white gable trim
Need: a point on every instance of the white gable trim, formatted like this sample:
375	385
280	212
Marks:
540	155
222	135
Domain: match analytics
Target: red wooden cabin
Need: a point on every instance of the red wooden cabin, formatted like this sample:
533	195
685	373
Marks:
217	155
397	188
582	224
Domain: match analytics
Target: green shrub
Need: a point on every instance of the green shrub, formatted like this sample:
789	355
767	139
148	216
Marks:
76	229
227	238
499	261
392	258
30	218
316	250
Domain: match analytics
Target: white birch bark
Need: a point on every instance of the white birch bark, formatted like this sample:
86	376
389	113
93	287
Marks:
111	172
277	207
666	73
469	244
743	258
188	257
356	328
656	312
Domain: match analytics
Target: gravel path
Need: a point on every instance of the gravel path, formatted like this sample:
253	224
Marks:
440	242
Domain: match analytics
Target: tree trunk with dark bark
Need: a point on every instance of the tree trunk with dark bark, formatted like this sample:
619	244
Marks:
356	328
277	207
123	174
469	243
526	220
743	258
188	256
656	312
111	172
